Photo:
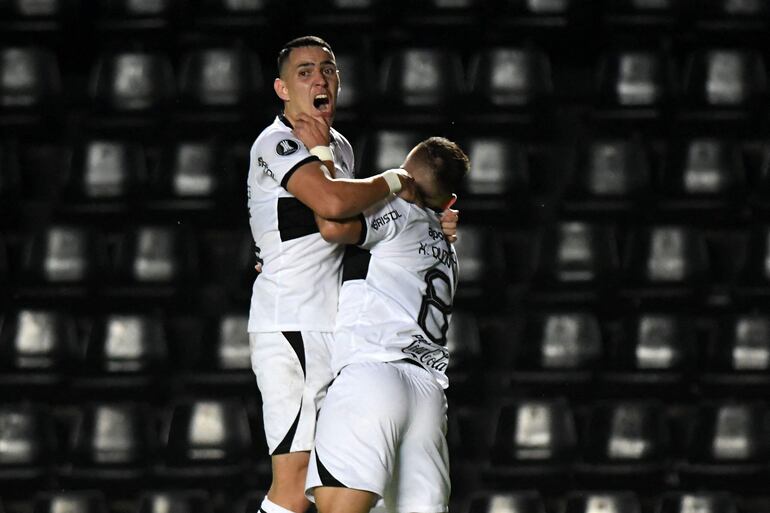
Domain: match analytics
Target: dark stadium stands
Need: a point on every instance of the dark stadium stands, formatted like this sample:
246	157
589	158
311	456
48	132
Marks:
611	337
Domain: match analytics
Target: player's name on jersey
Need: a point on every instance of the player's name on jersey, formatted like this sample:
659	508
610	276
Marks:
379	222
427	353
443	255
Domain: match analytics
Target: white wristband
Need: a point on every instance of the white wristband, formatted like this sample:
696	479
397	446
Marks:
322	152
393	181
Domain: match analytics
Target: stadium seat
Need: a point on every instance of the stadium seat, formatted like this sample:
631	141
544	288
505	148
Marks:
558	352
500	176
738	356
574	253
650	354
29	10
386	149
220	79
223	358
37	347
27	446
183	501
726	444
754	268
111	443
506	80
124	355
709	175
463	341
535	440
151	260
625	442
106	175
29	78
724	79
356	92
70	502
603	502
481	254
59	260
528	501
667	259
421	79
207	439
132	83
612	175
700	502
633	84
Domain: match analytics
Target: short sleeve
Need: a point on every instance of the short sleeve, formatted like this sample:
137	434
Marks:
278	155
384	221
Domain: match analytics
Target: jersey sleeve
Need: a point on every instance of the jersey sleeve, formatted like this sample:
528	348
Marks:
383	221
278	155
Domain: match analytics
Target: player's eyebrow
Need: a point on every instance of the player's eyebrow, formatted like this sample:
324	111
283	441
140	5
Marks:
310	63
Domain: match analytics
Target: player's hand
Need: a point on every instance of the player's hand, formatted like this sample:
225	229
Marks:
449	219
409	191
312	130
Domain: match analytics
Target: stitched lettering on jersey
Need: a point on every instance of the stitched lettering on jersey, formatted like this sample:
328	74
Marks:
265	169
295	220
355	263
379	222
428	354
442	255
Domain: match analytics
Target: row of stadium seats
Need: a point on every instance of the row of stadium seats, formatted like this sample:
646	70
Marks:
542	11
414	77
530	441
525	501
569	253
100	170
650	353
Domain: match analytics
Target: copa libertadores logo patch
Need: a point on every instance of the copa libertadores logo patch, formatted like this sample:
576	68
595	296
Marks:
286	147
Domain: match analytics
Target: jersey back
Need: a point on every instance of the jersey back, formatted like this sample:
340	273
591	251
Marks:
396	299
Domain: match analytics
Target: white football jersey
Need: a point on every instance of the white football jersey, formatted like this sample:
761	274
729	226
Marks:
396	299
299	284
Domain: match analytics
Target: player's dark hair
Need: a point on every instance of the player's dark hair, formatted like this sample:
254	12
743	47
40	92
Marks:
300	42
448	161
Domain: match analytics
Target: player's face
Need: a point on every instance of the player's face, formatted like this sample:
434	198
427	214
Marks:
309	82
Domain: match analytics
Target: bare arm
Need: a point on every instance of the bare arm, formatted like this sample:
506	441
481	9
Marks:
344	231
338	198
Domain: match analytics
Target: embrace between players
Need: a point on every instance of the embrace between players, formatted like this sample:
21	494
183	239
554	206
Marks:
356	286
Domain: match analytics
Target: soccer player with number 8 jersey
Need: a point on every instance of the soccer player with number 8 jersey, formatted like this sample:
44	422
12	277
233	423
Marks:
381	431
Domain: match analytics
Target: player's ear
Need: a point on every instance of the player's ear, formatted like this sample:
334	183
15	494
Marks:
281	90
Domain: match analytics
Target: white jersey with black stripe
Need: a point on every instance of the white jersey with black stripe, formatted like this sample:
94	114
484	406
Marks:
396	299
299	284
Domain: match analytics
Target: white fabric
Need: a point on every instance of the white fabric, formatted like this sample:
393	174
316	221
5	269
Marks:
269	506
382	429
402	308
299	284
286	389
393	181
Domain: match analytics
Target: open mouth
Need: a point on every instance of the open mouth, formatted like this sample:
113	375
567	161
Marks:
321	102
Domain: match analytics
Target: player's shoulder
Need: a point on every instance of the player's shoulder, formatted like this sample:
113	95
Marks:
277	138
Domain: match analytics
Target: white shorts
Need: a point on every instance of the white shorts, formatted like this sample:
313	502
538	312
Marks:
382	429
293	371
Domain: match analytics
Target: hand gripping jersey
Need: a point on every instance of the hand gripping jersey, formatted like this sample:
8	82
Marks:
299	284
396	300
